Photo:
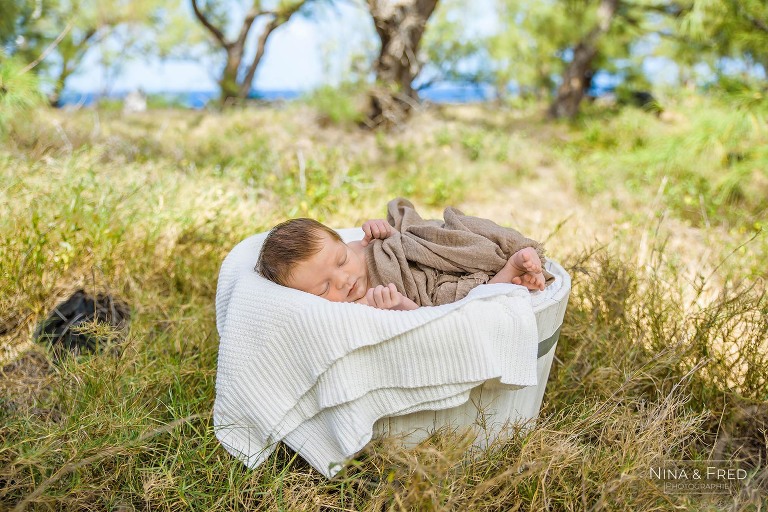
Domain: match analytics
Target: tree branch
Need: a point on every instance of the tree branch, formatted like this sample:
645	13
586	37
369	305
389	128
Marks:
284	15
667	9
211	28
425	8
756	22
86	37
379	18
48	50
246	85
82	47
279	18
250	17
672	36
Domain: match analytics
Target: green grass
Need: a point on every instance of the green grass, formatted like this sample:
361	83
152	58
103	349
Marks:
338	105
662	353
712	157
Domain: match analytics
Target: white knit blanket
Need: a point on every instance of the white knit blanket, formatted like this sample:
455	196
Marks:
318	374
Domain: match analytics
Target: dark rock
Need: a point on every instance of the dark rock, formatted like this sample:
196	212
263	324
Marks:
60	328
641	99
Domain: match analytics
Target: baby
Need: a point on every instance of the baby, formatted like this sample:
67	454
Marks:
309	256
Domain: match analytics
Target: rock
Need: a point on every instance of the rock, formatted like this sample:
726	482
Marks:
641	99
60	331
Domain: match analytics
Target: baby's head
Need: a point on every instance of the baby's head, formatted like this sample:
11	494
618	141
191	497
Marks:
309	256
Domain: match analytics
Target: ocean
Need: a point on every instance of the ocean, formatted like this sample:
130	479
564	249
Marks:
199	99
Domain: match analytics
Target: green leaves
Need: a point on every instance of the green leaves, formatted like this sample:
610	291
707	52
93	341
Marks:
19	91
730	28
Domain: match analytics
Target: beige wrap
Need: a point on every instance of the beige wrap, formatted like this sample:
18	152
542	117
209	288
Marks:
434	262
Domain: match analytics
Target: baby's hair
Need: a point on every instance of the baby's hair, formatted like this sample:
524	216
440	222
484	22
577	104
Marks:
288	244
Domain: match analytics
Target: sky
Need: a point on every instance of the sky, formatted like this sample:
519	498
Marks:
300	55
297	57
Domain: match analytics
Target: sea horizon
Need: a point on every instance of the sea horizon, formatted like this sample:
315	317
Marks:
196	99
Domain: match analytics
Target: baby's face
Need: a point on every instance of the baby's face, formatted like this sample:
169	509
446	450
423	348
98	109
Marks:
337	272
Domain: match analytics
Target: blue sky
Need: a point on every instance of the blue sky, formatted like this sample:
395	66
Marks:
300	55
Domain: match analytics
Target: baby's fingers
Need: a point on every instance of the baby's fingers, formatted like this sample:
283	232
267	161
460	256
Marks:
379	297
369	297
386	229
392	297
368	234
389	295
386	298
375	229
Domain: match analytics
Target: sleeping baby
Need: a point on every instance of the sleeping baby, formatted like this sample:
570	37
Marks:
404	262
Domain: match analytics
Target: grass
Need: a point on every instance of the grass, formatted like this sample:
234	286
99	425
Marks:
662	354
713	157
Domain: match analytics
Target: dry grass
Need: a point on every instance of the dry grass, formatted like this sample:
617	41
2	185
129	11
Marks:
661	356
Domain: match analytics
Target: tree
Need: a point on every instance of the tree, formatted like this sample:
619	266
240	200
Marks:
528	48
236	78
19	91
12	11
540	40
66	30
578	75
400	25
730	28
20	34
617	42
453	54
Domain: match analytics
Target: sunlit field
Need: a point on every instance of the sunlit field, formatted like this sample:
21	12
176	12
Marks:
659	219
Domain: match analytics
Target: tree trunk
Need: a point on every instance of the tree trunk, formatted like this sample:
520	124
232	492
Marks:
70	61
228	84
233	84
400	28
578	74
58	86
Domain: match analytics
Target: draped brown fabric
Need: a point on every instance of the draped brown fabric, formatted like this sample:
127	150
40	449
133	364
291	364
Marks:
436	262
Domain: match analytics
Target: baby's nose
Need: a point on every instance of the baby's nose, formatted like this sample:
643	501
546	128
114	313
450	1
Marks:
344	279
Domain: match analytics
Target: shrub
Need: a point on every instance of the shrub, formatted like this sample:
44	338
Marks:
336	105
19	92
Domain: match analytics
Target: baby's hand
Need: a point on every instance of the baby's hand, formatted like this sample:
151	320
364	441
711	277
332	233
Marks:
387	297
376	228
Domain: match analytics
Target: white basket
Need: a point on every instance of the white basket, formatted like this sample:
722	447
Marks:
493	405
